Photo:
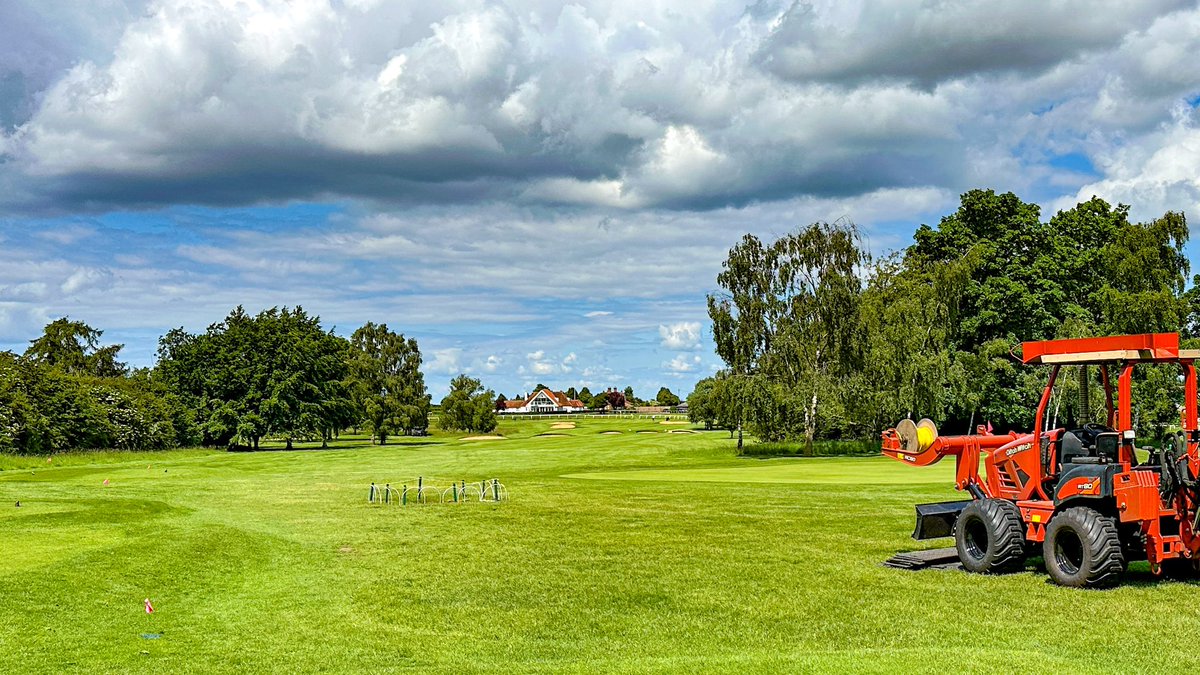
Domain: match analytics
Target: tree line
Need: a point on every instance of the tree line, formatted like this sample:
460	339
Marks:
607	399
276	374
820	340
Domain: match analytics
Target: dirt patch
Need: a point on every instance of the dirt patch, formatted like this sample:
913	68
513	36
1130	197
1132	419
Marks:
563	425
483	438
673	422
346	549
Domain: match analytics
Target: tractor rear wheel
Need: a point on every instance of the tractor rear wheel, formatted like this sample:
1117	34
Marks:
1083	549
990	537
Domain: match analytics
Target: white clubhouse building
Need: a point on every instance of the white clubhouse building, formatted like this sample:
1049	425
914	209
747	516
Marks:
544	401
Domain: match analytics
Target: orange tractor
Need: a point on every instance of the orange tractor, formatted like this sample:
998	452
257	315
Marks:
1080	495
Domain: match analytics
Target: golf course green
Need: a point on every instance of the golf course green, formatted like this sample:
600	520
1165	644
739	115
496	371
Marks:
615	552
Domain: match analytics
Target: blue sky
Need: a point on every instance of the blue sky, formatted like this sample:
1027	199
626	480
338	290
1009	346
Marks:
541	192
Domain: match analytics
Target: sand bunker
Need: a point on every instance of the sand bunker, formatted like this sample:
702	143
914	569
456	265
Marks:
552	436
676	422
483	438
610	433
647	432
563	425
682	431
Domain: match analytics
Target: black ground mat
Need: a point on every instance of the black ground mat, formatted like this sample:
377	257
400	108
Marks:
937	558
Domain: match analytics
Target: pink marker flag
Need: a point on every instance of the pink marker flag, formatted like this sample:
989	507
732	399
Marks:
989	427
149	607
106	481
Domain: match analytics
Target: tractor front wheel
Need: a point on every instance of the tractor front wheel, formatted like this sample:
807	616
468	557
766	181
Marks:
989	537
1083	549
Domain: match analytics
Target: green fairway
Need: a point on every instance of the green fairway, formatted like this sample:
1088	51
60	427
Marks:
862	470
630	552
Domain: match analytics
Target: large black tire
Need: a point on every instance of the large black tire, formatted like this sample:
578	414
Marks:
1083	549
990	537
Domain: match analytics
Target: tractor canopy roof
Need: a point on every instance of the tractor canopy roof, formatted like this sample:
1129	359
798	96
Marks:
1153	347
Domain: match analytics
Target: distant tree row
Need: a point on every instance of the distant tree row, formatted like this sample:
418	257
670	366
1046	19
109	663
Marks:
277	374
821	341
606	398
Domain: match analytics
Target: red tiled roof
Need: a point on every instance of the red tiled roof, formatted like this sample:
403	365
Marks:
558	397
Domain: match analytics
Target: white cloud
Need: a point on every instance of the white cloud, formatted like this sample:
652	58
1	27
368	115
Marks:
67	235
1160	176
612	105
445	362
85	278
682	363
682	335
510	166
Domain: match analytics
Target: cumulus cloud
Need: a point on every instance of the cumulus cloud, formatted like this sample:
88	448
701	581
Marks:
839	41
682	363
515	179
1155	178
607	105
683	335
85	278
445	361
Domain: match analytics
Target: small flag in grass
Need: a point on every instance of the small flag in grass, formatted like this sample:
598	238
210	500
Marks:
149	607
49	459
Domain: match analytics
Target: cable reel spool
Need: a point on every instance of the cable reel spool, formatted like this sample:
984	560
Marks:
916	438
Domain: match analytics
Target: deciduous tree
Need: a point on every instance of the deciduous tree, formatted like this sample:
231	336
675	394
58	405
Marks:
468	406
386	383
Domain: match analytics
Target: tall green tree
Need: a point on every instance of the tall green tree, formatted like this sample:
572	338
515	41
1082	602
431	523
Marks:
274	374
468	406
702	408
1145	272
789	317
665	397
386	383
75	347
1087	271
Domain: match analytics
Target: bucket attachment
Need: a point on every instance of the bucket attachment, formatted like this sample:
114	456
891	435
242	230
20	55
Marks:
937	519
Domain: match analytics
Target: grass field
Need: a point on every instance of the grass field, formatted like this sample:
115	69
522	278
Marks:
617	552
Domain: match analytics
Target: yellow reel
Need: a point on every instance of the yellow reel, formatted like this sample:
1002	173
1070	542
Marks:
916	438
927	433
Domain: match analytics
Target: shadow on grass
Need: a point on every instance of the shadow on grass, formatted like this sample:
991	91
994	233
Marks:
332	446
840	448
1138	575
